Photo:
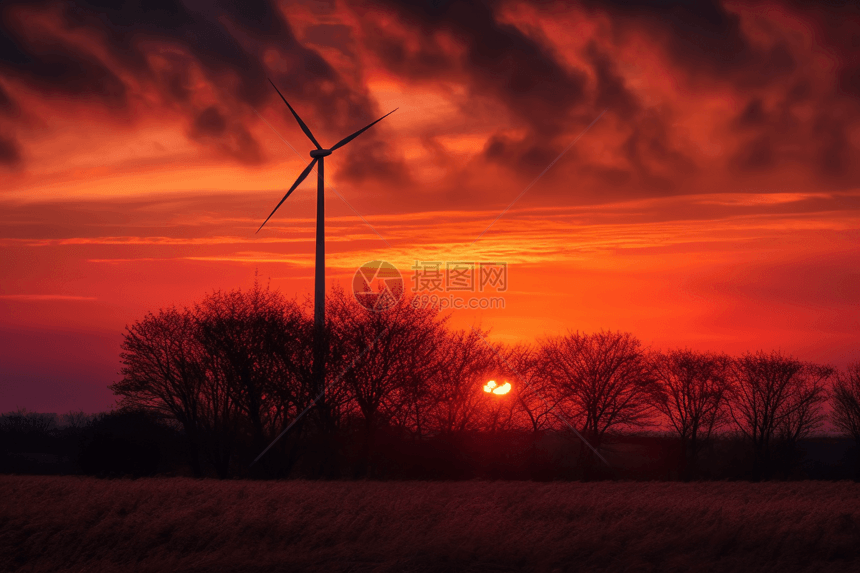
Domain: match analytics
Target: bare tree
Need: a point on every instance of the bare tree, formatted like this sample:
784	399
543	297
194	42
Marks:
776	398
456	386
691	392
386	354
605	380
77	420
162	372
23	422
846	402
536	395
846	406
255	345
234	366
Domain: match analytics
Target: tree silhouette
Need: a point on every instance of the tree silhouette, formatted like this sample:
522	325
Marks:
455	396
604	379
162	373
237	364
256	348
390	353
776	398
692	388
846	406
125	442
536	395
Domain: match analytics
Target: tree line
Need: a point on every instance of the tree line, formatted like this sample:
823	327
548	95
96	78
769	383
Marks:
234	370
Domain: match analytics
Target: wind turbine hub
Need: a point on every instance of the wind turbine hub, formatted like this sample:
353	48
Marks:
320	152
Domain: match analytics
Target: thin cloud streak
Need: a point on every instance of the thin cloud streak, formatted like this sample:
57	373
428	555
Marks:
46	297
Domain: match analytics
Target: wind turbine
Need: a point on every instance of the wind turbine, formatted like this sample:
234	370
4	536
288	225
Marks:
318	156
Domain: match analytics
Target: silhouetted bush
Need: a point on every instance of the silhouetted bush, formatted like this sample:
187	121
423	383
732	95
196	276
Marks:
126	443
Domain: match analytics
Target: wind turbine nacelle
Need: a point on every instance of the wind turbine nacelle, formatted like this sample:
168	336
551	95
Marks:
320	152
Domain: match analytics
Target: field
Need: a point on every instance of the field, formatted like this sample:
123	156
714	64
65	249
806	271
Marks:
177	524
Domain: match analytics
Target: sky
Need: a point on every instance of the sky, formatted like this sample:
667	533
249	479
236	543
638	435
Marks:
713	203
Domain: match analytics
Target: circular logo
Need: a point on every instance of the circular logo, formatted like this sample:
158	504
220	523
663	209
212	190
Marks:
377	285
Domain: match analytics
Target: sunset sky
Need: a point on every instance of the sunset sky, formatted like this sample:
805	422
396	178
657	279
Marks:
715	204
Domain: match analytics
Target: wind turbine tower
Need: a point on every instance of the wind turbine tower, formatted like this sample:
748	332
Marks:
318	156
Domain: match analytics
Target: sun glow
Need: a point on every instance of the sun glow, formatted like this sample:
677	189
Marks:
491	386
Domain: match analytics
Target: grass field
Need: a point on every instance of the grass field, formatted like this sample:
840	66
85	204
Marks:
175	524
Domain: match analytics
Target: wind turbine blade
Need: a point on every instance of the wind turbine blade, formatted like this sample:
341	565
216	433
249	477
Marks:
298	119
293	188
346	140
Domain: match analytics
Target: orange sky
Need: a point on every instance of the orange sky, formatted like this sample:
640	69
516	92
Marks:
714	204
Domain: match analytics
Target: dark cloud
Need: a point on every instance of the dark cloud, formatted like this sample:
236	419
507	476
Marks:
324	7
57	68
242	146
211	127
428	61
703	37
210	122
174	77
226	39
755	155
337	36
835	24
753	115
834	150
611	90
368	160
10	152
523	72
7	105
849	81
778	134
125	24
495	147
499	60
651	150
611	176
527	155
499	63
220	36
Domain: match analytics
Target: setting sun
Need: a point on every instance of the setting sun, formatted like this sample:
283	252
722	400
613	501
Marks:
491	386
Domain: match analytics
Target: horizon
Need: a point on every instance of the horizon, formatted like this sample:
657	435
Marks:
714	205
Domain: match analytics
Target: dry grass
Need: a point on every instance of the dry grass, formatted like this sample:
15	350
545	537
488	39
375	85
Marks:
85	524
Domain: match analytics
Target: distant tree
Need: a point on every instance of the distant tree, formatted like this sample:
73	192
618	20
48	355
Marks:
776	400
235	365
162	372
256	351
25	431
604	379
846	402
125	442
23	422
845	415
692	388
455	387
499	412
536	395
386	356
77	420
